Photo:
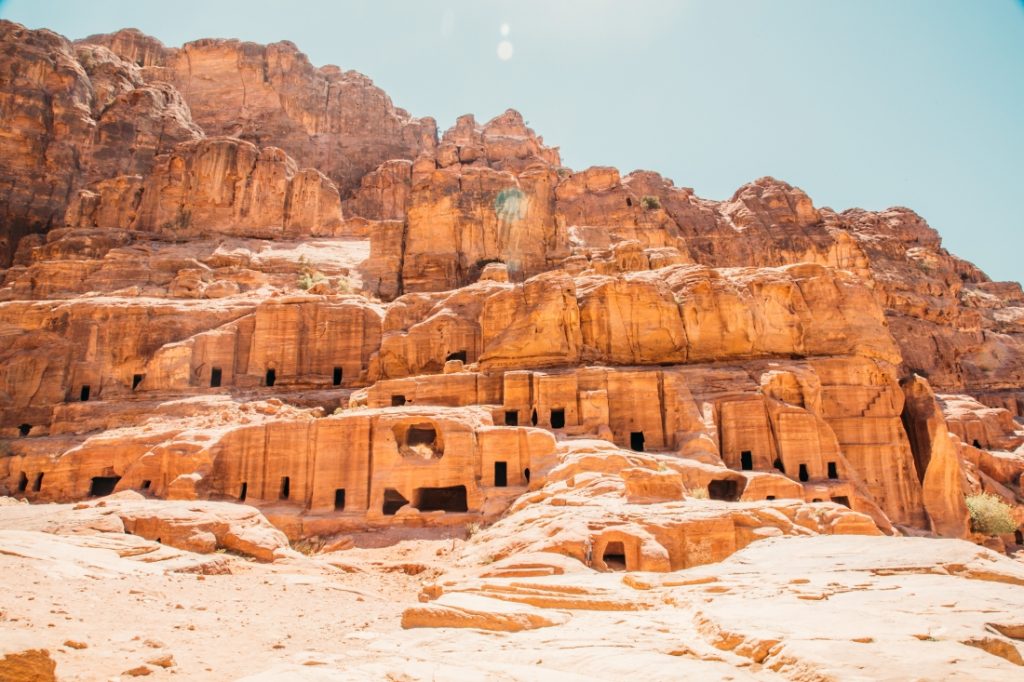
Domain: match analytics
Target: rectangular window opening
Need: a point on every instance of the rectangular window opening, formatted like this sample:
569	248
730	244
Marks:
746	460
558	418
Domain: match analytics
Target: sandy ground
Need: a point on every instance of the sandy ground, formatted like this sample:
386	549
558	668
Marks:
106	605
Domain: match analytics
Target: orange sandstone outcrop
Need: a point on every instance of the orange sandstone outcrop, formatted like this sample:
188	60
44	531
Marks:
239	278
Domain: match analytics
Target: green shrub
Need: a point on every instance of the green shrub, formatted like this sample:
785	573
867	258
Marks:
650	202
990	515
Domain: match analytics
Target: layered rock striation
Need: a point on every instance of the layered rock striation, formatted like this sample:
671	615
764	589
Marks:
237	277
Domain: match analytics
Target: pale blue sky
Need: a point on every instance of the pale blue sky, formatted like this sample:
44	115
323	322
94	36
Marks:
870	103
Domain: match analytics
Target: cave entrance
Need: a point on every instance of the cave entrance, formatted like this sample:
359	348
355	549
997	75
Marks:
636	441
84	393
723	489
215	377
779	465
243	492
24	429
511	418
450	499
147	484
421	435
103	485
614	556
338	374
339	499
271	377
286	488
1018	537
397	400
533	418
842	499
558	418
746	460
977	444
23	482
833	471
393	501
136	380
457	355
526	474
500	474
804	477
37	485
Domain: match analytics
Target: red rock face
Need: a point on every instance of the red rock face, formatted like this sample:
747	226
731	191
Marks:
235	275
270	95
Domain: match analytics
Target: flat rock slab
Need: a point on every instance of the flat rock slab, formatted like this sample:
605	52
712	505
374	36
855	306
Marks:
461	610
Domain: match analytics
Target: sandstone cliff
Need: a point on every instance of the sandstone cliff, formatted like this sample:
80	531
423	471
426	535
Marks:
235	276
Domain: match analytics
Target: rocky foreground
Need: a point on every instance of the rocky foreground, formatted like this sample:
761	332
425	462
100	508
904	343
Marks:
294	386
95	602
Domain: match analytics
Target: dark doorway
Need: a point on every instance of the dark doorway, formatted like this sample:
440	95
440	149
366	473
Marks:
103	485
803	473
511	418
833	472
722	489
501	474
451	499
147	484
636	441
629	202
84	394
271	377
397	400
779	465
614	556
136	380
243	492
24	429
393	501
215	375
842	499
457	355
23	482
526	474
336	379
816	499
37	485
286	488
746	460
1018	537
533	418
420	435
770	497
977	444
557	418
339	499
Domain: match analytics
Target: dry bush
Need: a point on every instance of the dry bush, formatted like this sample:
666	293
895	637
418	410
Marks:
990	515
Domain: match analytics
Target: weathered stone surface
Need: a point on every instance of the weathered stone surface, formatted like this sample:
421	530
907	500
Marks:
333	120
216	185
251	301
